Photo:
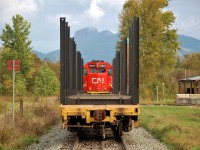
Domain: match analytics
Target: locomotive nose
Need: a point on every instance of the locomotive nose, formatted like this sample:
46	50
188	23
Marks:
99	115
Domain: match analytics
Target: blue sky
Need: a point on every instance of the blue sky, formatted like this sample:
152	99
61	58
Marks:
102	14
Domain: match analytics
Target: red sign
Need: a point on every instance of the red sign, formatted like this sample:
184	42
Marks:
16	65
10	62
16	68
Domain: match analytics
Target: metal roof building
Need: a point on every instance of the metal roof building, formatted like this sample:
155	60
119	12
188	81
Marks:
189	85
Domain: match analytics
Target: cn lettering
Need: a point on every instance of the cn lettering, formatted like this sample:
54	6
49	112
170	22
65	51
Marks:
97	80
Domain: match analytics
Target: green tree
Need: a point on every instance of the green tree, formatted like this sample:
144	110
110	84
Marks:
16	39
158	42
16	45
191	64
46	83
20	86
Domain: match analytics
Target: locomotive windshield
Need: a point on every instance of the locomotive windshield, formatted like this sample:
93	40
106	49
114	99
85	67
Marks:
93	70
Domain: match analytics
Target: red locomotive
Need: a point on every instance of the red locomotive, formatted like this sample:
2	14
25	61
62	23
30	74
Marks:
97	77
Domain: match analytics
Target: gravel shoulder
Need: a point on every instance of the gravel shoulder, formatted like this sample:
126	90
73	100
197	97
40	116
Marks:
141	139
53	140
137	139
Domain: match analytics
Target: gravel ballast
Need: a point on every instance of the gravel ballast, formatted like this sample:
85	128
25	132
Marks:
137	139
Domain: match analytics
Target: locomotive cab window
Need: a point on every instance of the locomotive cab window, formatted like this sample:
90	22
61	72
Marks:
101	70
85	72
109	72
93	70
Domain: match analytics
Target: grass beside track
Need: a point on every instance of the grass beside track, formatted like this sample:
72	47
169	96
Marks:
176	126
38	116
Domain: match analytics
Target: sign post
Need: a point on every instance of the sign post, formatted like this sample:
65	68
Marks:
13	102
163	92
13	65
157	93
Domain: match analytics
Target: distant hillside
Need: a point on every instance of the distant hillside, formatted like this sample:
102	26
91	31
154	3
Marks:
53	56
102	45
96	45
189	44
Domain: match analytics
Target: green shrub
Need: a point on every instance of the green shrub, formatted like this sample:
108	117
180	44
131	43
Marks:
27	140
2	147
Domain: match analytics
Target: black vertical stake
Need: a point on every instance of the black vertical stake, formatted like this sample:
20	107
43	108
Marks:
82	63
77	75
136	61
113	75
79	67
62	49
123	67
65	60
71	66
74	70
117	71
131	58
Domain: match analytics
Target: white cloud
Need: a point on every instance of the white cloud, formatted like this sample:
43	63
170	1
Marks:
54	19
95	11
187	17
113	3
8	8
44	16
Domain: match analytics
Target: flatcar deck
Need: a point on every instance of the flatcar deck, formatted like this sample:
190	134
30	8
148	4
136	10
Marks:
100	96
98	99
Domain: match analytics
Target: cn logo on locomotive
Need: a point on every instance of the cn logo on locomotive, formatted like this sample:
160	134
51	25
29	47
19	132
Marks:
97	80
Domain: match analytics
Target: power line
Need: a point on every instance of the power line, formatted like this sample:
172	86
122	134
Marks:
190	27
191	31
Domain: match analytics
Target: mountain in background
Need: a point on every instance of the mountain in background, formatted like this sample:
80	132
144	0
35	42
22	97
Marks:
53	56
188	45
102	45
96	45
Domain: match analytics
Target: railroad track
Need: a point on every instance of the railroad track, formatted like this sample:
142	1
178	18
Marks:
58	138
94	141
71	143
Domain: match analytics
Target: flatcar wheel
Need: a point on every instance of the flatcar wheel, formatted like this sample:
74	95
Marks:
79	131
119	129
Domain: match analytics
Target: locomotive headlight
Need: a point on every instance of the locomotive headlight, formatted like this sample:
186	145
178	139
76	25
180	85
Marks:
90	88
105	89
